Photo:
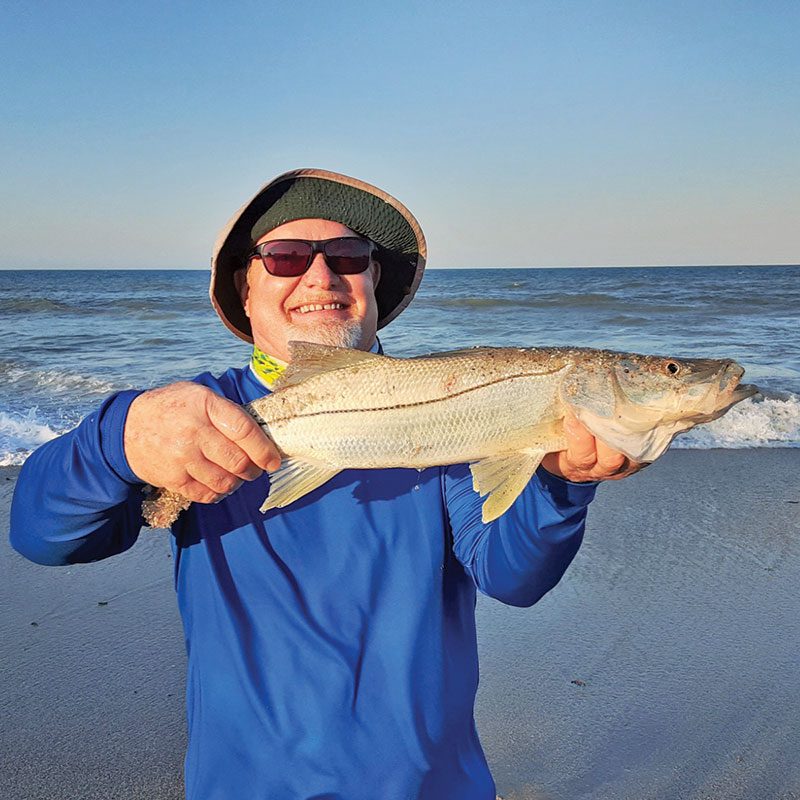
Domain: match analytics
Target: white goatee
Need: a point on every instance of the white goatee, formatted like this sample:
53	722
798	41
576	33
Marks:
335	333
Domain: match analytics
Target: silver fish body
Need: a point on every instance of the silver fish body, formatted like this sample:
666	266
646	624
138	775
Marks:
387	412
500	409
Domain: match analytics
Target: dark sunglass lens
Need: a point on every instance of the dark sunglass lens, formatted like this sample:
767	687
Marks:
286	259
348	256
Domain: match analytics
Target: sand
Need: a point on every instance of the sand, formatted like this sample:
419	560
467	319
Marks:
665	664
91	698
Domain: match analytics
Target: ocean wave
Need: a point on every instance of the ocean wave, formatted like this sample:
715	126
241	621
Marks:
767	422
528	301
23	381
154	306
21	434
566	301
626	319
737	300
102	306
34	305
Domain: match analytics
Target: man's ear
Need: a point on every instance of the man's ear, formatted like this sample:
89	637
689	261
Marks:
242	287
375	266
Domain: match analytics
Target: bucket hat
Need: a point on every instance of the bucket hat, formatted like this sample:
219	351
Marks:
318	194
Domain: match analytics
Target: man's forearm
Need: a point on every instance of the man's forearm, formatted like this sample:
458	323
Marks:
76	499
522	555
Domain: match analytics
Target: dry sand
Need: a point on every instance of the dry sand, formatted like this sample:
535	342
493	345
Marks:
664	666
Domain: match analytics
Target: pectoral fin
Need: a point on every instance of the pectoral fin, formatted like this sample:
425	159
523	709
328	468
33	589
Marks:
503	478
293	480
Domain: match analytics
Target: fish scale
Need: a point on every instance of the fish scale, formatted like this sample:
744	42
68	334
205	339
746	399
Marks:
384	381
468	425
453	408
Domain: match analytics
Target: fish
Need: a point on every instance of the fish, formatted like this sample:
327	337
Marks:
499	409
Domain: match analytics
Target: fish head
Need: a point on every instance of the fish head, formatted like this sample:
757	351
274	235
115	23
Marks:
638	404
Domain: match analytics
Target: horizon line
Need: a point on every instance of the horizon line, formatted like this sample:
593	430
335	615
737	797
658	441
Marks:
428	269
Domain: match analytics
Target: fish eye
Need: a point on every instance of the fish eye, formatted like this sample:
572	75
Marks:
672	367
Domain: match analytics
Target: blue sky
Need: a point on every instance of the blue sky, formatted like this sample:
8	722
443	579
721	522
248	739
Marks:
519	133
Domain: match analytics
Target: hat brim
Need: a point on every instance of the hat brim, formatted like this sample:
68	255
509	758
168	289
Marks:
318	194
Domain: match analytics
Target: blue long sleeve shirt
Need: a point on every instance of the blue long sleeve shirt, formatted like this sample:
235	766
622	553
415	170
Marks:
331	644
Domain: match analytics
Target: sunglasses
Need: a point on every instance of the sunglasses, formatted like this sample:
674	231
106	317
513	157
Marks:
290	258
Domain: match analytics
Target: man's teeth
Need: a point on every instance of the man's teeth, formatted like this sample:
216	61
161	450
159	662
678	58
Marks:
318	307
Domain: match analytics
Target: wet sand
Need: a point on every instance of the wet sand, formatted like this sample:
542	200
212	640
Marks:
665	664
91	696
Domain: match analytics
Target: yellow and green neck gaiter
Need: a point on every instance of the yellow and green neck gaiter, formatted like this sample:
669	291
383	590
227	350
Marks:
268	368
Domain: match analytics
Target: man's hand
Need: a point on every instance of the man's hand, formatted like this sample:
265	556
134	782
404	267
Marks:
587	458
185	438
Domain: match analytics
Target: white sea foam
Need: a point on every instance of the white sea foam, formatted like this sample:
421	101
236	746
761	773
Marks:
53	396
771	422
55	382
20	435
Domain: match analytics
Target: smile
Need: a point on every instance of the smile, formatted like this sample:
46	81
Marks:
318	307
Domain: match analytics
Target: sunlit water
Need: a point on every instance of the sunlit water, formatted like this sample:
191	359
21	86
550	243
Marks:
69	338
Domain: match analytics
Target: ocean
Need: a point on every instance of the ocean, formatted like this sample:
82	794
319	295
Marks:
71	337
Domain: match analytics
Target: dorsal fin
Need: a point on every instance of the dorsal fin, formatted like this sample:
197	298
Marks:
544	365
462	351
309	359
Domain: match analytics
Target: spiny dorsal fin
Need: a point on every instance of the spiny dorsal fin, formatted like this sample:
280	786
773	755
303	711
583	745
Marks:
309	359
503	478
462	351
545	366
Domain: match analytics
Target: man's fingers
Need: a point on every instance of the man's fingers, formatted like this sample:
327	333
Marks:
613	465
217	481
581	445
237	425
196	491
587	458
609	461
228	455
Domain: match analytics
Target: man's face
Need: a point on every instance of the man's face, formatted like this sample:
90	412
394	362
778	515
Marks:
277	307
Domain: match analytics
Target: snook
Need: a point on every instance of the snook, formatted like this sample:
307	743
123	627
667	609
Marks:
500	409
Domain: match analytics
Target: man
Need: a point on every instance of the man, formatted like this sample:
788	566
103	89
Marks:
331	644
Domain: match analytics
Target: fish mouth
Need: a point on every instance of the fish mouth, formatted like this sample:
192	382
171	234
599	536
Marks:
704	371
743	391
731	391
713	388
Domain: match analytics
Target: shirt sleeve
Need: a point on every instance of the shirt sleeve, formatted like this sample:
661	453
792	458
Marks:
520	556
76	499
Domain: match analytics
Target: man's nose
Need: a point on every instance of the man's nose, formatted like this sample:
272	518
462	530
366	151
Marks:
320	274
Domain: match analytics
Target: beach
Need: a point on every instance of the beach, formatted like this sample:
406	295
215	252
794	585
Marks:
664	665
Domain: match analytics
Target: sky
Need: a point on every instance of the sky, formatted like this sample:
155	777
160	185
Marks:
518	133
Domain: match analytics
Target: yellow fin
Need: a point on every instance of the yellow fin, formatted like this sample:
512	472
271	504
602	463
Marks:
308	359
293	480
503	477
